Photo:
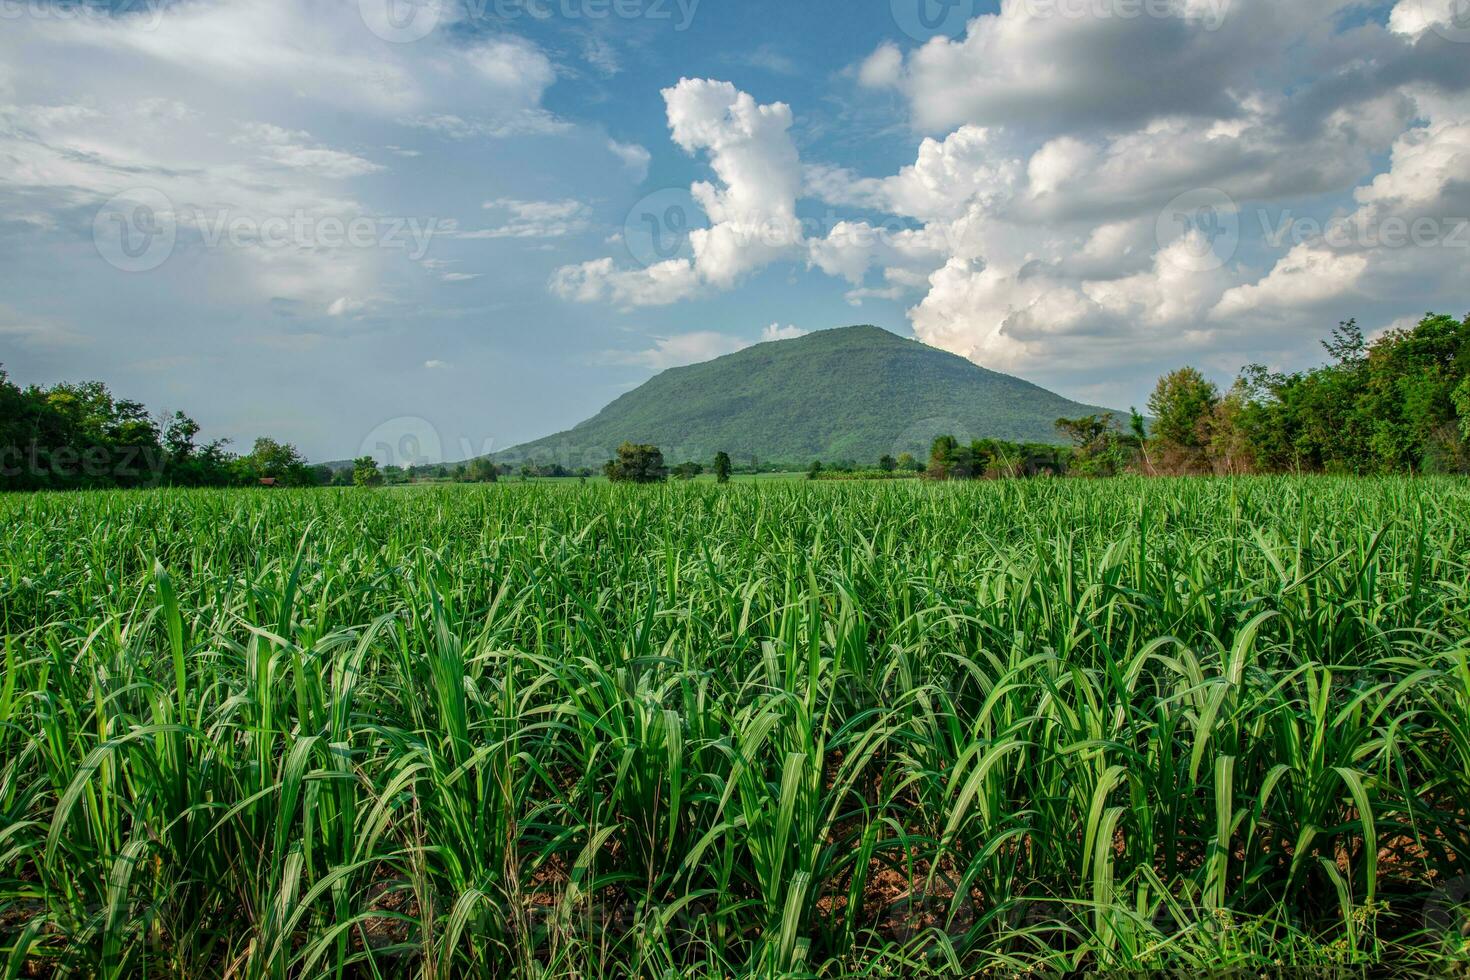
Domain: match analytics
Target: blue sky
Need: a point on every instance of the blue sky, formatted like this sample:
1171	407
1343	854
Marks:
338	221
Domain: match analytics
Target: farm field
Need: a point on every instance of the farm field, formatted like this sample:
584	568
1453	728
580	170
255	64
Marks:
784	729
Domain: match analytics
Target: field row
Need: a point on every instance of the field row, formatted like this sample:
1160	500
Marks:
787	729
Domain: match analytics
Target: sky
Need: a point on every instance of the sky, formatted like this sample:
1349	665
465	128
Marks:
463	224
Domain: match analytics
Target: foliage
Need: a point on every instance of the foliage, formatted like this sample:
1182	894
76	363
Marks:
722	467
994	459
637	464
1100	447
79	436
1182	406
365	472
687	471
482	471
1397	405
854	393
1048	728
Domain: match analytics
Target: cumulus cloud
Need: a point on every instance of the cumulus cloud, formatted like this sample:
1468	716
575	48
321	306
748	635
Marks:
751	208
1067	216
634	158
247	142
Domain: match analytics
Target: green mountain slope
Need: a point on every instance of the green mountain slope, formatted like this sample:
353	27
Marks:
855	393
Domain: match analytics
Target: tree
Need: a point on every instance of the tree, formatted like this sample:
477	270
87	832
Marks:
722	467
1462	405
887	464
637	464
941	458
1087	432
907	463
1182	406
483	471
365	472
688	471
815	470
277	461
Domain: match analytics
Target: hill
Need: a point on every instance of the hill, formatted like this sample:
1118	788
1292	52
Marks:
854	393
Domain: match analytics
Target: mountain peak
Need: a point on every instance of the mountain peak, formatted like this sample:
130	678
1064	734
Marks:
849	393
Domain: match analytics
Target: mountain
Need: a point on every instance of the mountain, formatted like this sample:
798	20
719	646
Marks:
854	393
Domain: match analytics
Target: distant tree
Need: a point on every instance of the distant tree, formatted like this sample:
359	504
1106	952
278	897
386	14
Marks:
1183	406
942	458
1462	405
687	471
722	467
907	462
815	470
482	471
1087	432
279	461
637	464
887	464
365	472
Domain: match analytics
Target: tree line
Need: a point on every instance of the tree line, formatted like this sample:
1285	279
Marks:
1399	404
81	436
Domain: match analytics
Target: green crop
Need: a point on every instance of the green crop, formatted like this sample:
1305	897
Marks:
789	729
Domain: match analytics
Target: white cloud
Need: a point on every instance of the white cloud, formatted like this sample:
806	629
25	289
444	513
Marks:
752	210
635	159
534	219
1309	275
263	90
436	365
346	306
777	332
883	68
600	281
295	151
682	349
698	346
